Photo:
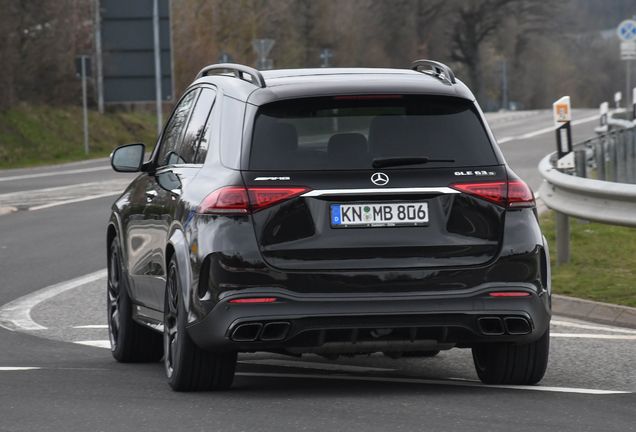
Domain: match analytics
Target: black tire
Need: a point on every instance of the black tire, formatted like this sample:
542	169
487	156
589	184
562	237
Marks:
130	342
188	367
512	364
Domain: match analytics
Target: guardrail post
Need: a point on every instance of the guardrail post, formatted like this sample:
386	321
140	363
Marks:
613	165
599	152
621	157
631	156
580	158
580	163
562	238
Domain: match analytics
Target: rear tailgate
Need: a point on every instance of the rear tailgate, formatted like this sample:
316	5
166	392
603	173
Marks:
377	171
414	221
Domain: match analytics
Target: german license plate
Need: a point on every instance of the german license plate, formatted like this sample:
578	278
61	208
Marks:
379	215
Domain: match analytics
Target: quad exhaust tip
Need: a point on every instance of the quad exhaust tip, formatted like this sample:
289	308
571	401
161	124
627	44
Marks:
252	332
517	325
496	326
275	331
491	326
246	332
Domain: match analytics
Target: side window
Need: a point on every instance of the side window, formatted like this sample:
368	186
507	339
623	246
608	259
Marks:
195	143
169	151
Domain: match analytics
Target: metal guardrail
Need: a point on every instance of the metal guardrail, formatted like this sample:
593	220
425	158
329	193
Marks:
610	199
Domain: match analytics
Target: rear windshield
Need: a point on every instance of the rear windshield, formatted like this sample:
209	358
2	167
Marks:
350	132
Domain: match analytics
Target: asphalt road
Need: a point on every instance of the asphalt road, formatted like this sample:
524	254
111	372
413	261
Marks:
47	382
525	137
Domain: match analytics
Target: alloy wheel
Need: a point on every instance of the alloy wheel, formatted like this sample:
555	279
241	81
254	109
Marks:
171	332
114	295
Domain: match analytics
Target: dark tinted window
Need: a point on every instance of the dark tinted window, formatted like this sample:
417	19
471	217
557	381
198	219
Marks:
169	150
195	138
350	132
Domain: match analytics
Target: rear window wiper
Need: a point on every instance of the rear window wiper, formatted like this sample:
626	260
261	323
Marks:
399	161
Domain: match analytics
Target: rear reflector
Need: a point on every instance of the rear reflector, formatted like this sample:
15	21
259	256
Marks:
238	200
254	300
509	194
509	294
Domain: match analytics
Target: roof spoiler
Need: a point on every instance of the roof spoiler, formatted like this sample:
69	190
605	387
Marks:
440	70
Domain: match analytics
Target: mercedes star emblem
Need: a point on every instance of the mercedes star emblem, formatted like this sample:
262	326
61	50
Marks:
380	179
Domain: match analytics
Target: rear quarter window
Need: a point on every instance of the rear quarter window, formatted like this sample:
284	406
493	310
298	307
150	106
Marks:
349	132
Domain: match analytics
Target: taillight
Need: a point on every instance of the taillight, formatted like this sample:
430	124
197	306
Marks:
519	194
236	200
510	194
262	197
228	200
509	294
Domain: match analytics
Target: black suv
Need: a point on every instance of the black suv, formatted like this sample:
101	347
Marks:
326	211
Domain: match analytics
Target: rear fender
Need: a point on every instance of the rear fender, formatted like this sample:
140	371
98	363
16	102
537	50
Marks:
116	223
181	252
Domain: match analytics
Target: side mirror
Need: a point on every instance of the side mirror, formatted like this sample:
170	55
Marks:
128	158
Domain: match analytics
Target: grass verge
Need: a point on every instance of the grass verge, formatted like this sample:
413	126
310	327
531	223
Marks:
602	263
32	135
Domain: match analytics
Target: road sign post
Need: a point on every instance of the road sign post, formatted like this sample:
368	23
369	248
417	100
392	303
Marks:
83	65
98	58
562	116
604	111
226	58
627	34
618	96
326	55
157	56
263	47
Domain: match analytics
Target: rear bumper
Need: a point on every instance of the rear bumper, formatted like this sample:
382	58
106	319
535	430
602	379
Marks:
361	324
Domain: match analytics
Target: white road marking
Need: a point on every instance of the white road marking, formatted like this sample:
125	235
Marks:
585	120
95	343
38	199
92	326
547	129
593	327
593	336
55	173
311	365
76	200
17	314
10	369
53	189
436	382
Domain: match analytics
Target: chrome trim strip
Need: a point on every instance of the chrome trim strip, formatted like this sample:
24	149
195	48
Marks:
382	191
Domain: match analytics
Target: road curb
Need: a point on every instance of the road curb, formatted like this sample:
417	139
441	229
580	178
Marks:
588	310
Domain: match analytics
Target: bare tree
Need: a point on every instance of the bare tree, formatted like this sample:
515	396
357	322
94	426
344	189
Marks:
476	22
39	40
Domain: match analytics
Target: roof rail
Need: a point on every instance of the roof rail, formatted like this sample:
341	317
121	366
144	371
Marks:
239	70
438	69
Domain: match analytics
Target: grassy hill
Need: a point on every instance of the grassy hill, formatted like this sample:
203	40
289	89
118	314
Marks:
33	135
